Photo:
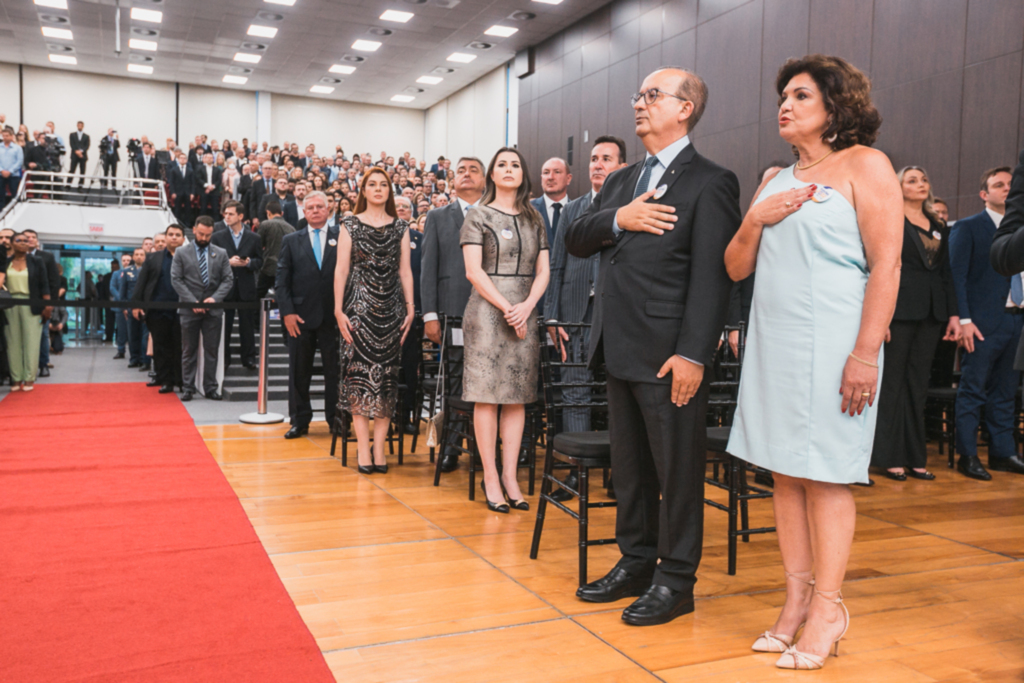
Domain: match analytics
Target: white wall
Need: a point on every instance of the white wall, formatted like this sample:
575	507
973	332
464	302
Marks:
217	112
472	122
9	102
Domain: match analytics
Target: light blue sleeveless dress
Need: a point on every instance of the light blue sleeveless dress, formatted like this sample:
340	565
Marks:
804	320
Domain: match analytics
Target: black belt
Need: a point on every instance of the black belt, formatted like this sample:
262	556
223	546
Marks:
1013	310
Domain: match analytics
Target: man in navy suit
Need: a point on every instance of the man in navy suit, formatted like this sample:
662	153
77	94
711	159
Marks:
990	318
554	180
146	165
181	179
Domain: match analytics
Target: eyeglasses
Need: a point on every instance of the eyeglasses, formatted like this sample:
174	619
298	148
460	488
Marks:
651	95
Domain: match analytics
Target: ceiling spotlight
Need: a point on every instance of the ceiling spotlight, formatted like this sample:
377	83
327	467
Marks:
236	80
429	80
140	69
53	19
63	59
247	58
355	59
402	98
442	70
549	2
395	15
366	45
145	32
522	16
378	31
342	69
150	15
322	89
249	45
479	45
262	31
286	3
503	31
461	57
56	4
139	44
59	33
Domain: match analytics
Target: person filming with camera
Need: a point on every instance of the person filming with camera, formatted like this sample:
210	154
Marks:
109	154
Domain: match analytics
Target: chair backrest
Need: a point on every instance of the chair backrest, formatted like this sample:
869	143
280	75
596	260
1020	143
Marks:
451	363
724	389
560	377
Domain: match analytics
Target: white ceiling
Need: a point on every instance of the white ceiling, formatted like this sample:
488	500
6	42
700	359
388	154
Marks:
198	39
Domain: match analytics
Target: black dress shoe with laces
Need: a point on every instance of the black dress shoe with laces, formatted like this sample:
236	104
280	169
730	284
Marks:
615	585
970	466
44	372
411	428
152	383
213	395
166	389
1012	464
658	605
119	356
296	431
561	495
187	396
449	462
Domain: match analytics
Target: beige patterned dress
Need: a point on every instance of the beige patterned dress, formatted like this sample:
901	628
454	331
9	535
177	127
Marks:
499	367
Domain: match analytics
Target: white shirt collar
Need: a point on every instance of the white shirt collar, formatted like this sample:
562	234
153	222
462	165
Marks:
997	218
666	155
465	206
311	229
549	202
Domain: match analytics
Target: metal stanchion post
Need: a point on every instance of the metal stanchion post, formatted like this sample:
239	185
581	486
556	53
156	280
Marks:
261	416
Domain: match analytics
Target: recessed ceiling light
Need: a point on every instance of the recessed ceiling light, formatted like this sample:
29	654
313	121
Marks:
56	4
247	58
237	80
429	80
262	31
139	44
342	69
402	98
286	3
461	57
60	33
395	15
549	2
140	69
322	89
366	45
150	15
503	31
63	59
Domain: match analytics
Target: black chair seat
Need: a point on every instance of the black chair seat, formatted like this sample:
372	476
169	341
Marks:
589	445
459	404
718	439
942	393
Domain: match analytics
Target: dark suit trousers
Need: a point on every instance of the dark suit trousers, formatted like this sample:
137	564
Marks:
900	433
246	334
109	168
79	163
183	209
412	350
301	351
658	449
209	204
209	324
988	379
166	334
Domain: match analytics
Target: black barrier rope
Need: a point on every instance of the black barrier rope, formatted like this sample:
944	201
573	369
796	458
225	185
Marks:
143	305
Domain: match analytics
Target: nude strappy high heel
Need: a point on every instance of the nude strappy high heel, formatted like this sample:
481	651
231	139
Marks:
794	659
776	642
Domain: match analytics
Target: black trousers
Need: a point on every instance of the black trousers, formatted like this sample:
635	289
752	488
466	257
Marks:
209	204
658	453
412	350
301	351
246	334
900	432
109	169
166	334
264	283
79	163
183	209
110	323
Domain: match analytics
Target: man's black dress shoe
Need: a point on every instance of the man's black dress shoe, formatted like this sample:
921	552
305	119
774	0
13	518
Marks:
1012	464
152	383
119	356
250	366
449	462
296	431
659	605
166	389
134	365
145	367
561	495
186	395
895	476
213	395
44	372
411	428
970	466
926	475
615	585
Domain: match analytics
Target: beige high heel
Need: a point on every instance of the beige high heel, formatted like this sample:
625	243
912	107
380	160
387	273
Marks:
776	642
794	659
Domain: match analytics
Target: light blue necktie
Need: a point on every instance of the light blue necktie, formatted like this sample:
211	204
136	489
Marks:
316	248
1016	290
645	177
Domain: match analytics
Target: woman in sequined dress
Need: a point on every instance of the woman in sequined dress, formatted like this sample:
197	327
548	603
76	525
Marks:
374	306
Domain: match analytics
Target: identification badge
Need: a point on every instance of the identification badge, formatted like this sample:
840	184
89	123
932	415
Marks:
660	192
333	243
936	234
823	194
412	245
457	337
506	233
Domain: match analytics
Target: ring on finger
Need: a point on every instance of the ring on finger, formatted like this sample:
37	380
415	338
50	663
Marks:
789	205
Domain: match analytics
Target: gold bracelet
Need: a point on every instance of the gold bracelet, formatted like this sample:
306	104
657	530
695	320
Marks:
861	360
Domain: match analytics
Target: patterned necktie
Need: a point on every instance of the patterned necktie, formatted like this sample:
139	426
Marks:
316	248
645	177
204	271
1016	290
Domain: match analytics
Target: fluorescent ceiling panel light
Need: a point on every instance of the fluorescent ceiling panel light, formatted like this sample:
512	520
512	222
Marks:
402	98
502	31
59	33
139	44
236	80
286	3
150	15
262	31
342	69
247	58
366	45
395	15
429	80
55	4
461	57
63	59
322	89
549	2
140	69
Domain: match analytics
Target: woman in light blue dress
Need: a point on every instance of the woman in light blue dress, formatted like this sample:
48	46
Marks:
825	236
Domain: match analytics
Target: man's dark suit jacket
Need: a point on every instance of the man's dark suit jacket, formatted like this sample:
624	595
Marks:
199	180
244	286
52	273
36	154
444	288
76	144
301	288
1007	251
659	295
289	212
981	292
195	156
149	275
244	190
256	195
38	280
925	290
180	184
154	167
113	152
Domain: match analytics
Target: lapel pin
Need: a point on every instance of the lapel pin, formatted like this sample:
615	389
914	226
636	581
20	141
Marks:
660	192
823	194
936	234
506	233
412	245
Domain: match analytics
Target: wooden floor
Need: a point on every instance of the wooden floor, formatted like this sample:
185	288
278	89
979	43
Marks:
402	581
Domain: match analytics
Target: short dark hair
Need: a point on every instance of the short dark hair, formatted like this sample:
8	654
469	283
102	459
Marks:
205	220
618	142
27	230
175	226
482	165
991	172
846	93
274	207
237	206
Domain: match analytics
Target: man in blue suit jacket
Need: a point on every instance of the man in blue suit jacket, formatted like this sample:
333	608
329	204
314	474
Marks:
554	180
990	317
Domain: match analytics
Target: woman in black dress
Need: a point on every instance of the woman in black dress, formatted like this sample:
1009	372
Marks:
926	306
373	297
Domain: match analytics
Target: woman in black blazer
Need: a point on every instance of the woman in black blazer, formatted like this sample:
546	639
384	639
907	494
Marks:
25	278
926	306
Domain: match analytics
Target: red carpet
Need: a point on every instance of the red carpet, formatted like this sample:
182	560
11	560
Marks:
124	553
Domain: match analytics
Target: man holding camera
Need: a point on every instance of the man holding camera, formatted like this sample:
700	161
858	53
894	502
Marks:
109	154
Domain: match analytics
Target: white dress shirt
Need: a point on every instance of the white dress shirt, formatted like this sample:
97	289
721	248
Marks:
549	206
323	239
209	175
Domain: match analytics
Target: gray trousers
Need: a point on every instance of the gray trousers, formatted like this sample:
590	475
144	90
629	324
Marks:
192	325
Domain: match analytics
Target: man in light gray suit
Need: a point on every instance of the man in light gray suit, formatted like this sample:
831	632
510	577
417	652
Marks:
201	273
444	288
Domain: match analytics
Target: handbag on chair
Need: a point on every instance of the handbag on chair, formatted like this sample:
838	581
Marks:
436	422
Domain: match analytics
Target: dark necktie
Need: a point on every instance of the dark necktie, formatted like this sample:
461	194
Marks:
204	271
645	177
555	213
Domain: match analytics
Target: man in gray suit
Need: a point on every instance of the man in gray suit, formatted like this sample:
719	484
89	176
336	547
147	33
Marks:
201	273
444	288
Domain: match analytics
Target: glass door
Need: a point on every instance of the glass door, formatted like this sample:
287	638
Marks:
94	267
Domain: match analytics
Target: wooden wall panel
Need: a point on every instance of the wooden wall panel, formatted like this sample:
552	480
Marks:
785	29
993	29
991	118
902	28
625	41
680	15
843	28
729	61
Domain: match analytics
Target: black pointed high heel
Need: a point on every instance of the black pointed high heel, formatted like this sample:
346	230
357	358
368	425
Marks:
365	469
383	469
523	504
494	507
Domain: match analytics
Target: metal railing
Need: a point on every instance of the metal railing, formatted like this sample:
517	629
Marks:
261	416
79	190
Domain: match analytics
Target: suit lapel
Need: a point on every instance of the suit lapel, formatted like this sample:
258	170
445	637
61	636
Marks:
307	247
673	173
911	231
